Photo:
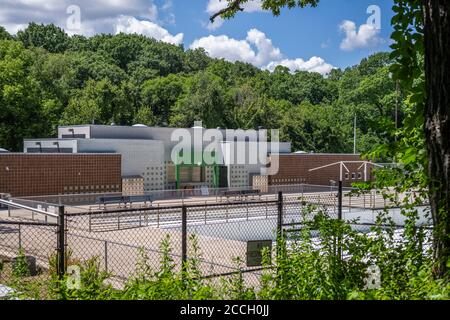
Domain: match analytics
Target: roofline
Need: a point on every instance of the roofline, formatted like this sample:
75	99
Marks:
320	154
89	139
147	127
59	154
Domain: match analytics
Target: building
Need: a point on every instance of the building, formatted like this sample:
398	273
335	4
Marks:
24	174
154	158
132	185
147	152
295	168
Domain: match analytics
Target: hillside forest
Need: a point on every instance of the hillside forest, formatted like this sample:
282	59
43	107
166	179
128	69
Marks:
48	78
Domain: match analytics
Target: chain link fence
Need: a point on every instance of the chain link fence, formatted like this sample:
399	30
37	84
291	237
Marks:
225	233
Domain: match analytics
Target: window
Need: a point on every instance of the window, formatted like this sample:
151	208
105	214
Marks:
359	175
347	176
353	176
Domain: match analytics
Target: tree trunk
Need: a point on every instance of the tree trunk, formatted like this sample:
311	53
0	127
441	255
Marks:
437	125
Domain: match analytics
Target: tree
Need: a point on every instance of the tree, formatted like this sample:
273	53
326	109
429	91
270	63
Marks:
161	94
437	121
49	37
196	60
422	28
145	116
100	103
4	35
206	101
20	109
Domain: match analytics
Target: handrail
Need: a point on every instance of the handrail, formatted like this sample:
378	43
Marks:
20	206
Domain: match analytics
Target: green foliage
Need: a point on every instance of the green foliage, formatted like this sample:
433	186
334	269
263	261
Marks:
326	259
49	37
4	35
20	107
20	267
167	283
93	283
275	6
48	78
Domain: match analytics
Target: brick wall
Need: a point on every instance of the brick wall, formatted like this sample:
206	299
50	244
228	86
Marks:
294	169
52	174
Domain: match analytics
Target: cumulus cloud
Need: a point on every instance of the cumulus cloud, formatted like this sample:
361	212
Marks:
225	47
99	16
314	64
258	50
265	49
128	24
214	6
365	37
241	50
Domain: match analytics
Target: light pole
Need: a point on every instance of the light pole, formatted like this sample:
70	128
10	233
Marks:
354	136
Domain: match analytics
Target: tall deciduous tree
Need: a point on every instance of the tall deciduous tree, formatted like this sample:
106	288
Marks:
49	37
437	117
4	35
431	19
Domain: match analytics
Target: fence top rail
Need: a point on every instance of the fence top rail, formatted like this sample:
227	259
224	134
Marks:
28	223
156	208
21	206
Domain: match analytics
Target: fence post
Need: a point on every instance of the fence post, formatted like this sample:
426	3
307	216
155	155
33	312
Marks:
157	216
61	243
267	213
20	236
247	210
183	237
350	203
339	248
340	201
106	256
226	208
280	214
90	220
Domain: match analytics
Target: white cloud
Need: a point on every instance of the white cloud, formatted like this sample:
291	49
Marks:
211	26
153	12
214	6
99	16
365	37
227	48
314	64
258	50
128	24
241	50
265	50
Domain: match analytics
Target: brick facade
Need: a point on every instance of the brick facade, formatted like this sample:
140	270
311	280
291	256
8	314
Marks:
294	169
53	174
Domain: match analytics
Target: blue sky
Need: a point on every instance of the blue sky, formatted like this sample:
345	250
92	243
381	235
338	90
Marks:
298	32
335	34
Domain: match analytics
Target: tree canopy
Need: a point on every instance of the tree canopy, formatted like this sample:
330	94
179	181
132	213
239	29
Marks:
49	78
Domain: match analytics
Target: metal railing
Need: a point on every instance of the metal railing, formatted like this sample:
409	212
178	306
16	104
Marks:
23	220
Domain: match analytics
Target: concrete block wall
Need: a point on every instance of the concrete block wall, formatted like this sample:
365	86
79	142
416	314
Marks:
24	174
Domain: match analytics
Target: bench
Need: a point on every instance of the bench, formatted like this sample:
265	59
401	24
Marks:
144	199
123	200
240	193
112	200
